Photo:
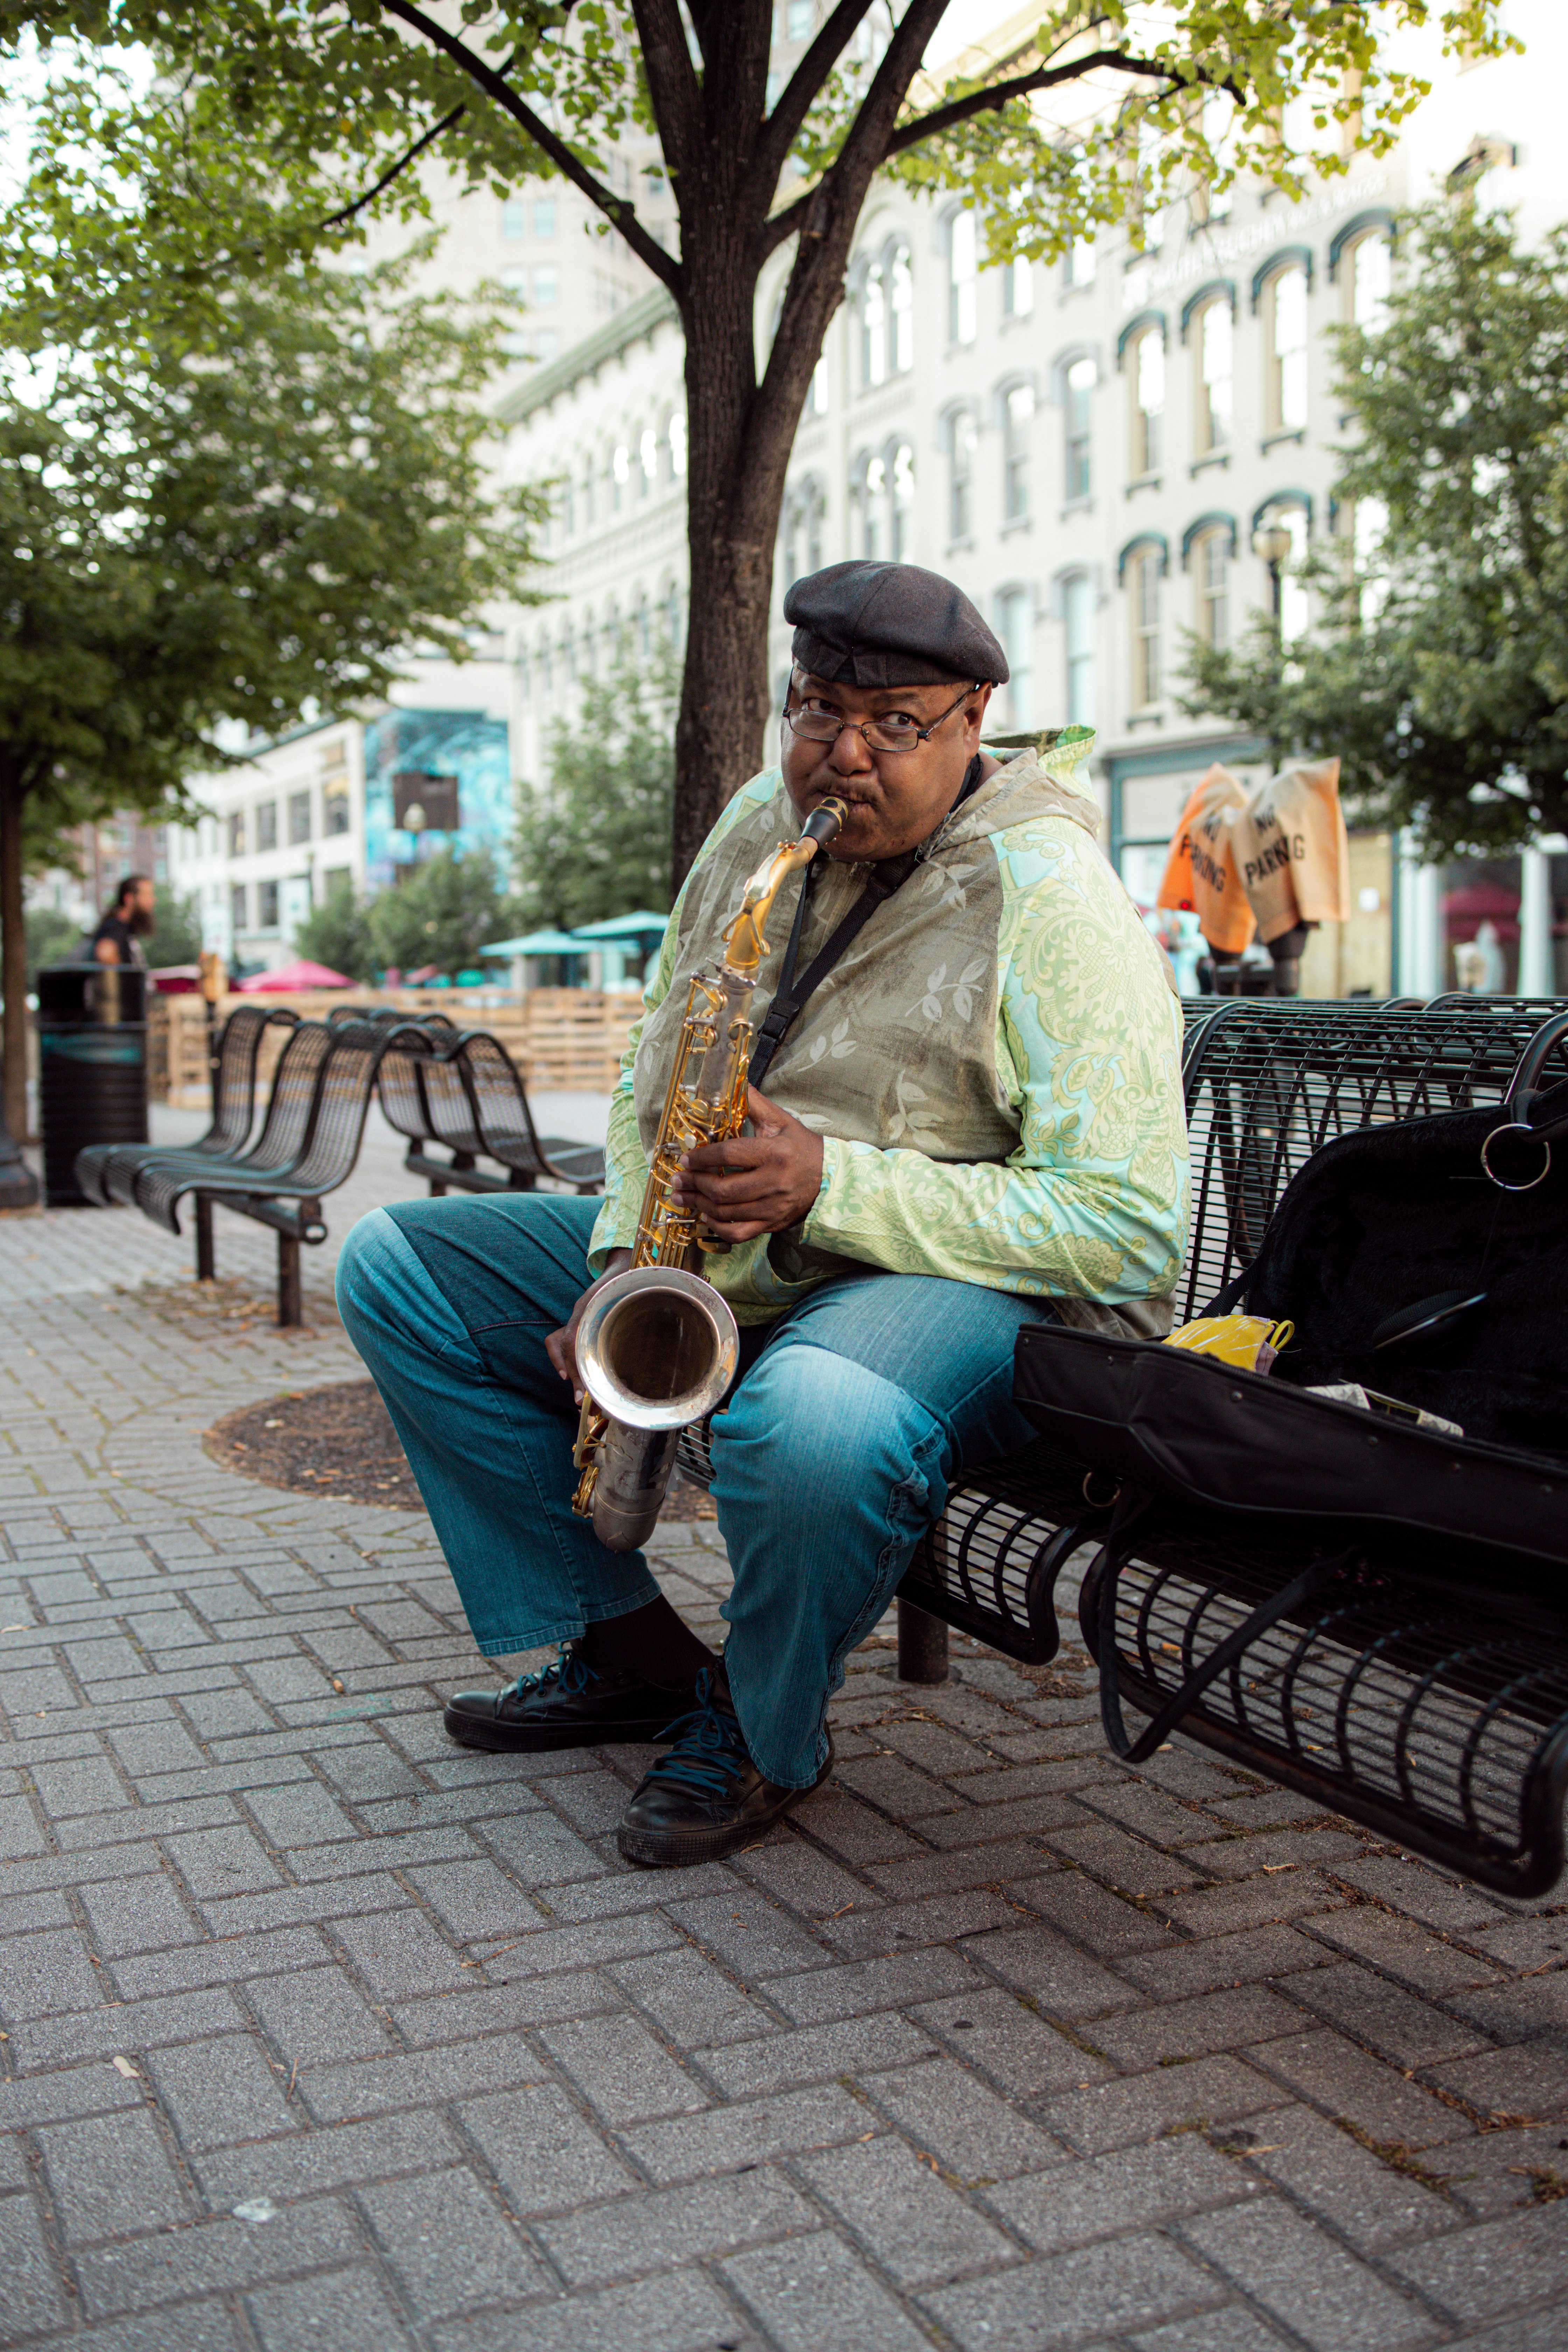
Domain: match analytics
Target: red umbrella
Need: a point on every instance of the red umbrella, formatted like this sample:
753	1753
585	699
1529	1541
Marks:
304	975
1465	909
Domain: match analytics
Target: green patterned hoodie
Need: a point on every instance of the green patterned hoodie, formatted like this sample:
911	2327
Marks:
995	1065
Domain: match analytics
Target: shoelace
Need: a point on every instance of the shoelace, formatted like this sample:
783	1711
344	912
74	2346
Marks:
709	1750
571	1673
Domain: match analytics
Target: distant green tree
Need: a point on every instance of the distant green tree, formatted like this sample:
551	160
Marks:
176	933
52	938
594	841
242	505
337	933
1439	671
443	915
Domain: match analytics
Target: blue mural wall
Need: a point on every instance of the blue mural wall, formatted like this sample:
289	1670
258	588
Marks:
462	743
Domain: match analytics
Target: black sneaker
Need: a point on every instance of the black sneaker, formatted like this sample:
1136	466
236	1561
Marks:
570	1705
706	1797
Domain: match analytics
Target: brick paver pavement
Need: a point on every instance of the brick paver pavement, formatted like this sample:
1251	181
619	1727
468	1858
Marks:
319	2030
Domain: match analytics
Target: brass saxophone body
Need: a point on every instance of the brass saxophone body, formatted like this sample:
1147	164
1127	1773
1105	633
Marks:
657	1346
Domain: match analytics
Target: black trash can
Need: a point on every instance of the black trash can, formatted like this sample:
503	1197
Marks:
92	1066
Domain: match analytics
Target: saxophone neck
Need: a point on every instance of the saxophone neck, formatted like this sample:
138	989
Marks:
744	942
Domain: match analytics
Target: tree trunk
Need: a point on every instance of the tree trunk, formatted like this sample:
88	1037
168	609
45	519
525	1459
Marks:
13	957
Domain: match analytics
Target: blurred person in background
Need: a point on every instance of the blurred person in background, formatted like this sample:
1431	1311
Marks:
119	936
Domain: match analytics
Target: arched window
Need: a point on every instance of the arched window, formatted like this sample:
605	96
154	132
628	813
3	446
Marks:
1016	627
648	455
1210	560
901	309
678	446
1078	262
620	475
546	679
874	328
641	636
1018	289
1146	373
587	494
801	532
816	398
887	316
1078	391
1295	602
962	275
1285	346
1213	342
1142	567
589	647
1077	617
1368	280
1017	438
900	501
960	433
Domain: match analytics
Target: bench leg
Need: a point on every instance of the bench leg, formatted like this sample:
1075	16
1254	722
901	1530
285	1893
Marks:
923	1645
207	1255
290	1307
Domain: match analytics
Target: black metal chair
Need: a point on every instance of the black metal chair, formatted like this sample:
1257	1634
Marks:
469	1101
308	1144
107	1172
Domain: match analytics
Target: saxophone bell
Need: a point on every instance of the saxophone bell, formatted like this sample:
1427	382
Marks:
657	1347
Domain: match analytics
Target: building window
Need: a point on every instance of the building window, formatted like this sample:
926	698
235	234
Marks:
1287	402
1369	278
901	501
960	440
620	471
1143	581
873	328
901	305
299	818
238	906
962	273
544	216
335	805
546	343
588	493
1019	290
236	834
816	398
1211	572
648	451
514	278
1368	520
1147	357
1078	262
1078	614
677	446
1017	421
544	284
1216	375
1016	627
1080	388
802	17
267	907
266	824
513	218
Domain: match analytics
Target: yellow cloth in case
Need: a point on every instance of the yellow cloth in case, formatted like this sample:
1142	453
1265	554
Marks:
1234	1338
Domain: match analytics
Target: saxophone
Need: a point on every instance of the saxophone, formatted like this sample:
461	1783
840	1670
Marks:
657	1346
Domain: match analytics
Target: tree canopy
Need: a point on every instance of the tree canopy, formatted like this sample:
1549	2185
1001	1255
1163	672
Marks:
595	840
1439	670
217	517
314	115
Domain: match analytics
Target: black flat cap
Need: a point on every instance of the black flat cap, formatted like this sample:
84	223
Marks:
865	624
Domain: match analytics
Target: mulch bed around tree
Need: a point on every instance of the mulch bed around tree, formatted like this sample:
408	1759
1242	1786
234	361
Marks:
340	1442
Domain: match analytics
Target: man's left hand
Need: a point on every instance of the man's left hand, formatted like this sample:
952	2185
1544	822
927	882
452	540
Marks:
756	1183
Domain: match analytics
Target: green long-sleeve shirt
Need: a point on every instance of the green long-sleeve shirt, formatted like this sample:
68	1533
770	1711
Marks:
995	1065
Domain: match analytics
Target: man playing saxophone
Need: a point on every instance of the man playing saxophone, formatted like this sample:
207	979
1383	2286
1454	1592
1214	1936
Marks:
970	1117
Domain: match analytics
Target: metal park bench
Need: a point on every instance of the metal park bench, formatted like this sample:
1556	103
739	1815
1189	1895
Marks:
307	1145
467	1101
1426	1694
106	1171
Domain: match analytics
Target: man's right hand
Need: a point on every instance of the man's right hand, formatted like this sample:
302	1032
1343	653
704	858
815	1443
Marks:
561	1346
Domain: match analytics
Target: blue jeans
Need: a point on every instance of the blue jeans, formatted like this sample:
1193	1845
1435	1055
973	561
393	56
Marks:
854	1414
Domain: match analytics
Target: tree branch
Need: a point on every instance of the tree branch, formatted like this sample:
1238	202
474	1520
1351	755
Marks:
622	217
1000	94
674	90
393	171
783	125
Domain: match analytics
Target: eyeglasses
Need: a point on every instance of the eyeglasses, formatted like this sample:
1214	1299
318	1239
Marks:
897	732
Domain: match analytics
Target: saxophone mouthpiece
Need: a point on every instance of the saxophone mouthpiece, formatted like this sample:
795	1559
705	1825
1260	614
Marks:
825	821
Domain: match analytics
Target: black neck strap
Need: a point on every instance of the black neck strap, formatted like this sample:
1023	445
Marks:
791	997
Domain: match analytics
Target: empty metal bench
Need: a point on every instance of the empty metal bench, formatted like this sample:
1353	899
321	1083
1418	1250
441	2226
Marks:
106	1171
469	1102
